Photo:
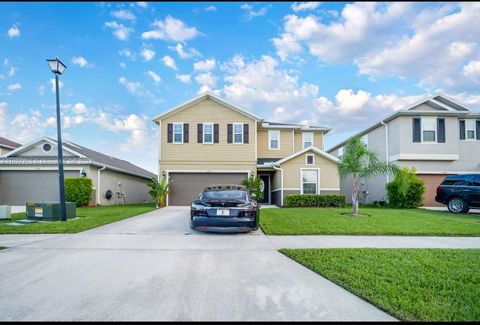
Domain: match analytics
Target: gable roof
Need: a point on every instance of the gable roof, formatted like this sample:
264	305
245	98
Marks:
311	148
87	155
203	96
8	143
276	125
444	105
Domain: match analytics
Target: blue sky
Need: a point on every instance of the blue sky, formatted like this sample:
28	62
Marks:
341	65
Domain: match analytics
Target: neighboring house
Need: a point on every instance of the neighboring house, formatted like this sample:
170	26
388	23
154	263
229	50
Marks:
30	173
7	145
437	136
208	140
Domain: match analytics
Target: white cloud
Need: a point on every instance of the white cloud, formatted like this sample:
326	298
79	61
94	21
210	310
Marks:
137	89
123	14
122	65
11	72
134	124
348	102
205	65
171	29
206	79
185	78
156	78
81	108
250	13
119	30
472	70
14	86
3	117
147	54
13	31
183	53
127	53
80	61
142	4
300	6
41	90
210	9
169	62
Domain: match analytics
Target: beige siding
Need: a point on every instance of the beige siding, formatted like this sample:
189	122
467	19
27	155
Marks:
317	140
286	148
195	155
4	150
329	178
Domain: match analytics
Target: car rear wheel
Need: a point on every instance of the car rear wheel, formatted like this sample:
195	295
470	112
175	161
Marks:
457	205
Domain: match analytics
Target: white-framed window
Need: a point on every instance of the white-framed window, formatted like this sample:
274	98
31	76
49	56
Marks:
429	129
238	133
177	132
307	139
207	132
470	129
273	139
310	159
47	147
310	181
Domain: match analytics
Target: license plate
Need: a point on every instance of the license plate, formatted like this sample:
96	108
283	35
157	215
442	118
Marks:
223	212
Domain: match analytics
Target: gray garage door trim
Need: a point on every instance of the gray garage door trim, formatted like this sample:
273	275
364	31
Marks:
183	193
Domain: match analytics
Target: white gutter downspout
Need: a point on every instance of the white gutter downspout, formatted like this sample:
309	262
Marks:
281	183
98	184
387	157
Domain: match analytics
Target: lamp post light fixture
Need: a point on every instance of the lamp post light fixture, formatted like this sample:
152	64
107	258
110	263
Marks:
58	68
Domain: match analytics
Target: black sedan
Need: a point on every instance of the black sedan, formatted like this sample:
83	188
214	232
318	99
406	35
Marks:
226	209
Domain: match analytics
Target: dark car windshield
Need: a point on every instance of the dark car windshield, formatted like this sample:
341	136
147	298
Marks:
224	195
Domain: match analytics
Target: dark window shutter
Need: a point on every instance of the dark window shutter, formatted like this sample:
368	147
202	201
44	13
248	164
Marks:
416	130
229	133
245	133
441	130
462	130
200	133
185	133
215	133
169	133
478	129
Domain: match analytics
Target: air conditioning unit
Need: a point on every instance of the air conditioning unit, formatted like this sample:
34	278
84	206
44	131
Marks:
5	212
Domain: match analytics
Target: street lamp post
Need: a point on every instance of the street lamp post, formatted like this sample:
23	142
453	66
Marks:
57	68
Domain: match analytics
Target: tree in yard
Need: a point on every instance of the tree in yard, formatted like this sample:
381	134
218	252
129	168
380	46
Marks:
254	187
360	162
159	190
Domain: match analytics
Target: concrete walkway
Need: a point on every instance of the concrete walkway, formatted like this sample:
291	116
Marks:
152	267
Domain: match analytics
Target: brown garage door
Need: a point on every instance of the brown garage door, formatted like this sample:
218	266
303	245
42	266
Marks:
185	187
431	183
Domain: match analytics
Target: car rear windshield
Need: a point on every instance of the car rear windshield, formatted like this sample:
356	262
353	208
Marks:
455	181
224	195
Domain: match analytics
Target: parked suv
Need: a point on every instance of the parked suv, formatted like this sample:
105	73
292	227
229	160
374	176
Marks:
460	192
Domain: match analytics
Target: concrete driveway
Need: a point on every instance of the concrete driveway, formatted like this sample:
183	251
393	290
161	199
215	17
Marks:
152	267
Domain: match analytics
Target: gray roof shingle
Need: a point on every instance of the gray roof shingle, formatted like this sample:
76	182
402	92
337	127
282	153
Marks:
9	143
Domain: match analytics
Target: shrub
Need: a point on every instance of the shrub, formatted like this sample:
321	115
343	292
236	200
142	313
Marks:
314	200
254	187
78	190
406	190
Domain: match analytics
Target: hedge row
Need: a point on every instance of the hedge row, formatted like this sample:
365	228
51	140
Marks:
314	200
78	190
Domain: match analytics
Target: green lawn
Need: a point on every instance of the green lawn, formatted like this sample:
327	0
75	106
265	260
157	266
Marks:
410	284
381	221
87	218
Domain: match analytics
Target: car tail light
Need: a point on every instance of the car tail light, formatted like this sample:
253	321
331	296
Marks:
438	189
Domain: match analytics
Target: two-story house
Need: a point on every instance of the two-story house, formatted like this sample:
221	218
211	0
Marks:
208	140
437	136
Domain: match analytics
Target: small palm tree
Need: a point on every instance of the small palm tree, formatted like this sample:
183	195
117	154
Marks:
360	162
159	190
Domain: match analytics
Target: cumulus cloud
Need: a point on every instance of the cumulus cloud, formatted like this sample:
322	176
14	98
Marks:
155	77
206	81
14	86
80	61
205	65
147	54
184	53
250	13
171	29
52	85
169	62
134	124
138	90
185	78
210	9
472	70
120	31
13	31
11	71
142	4
123	14
300	6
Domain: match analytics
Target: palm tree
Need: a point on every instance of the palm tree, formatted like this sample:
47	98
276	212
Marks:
360	162
159	190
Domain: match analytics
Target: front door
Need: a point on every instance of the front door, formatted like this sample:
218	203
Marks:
265	181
